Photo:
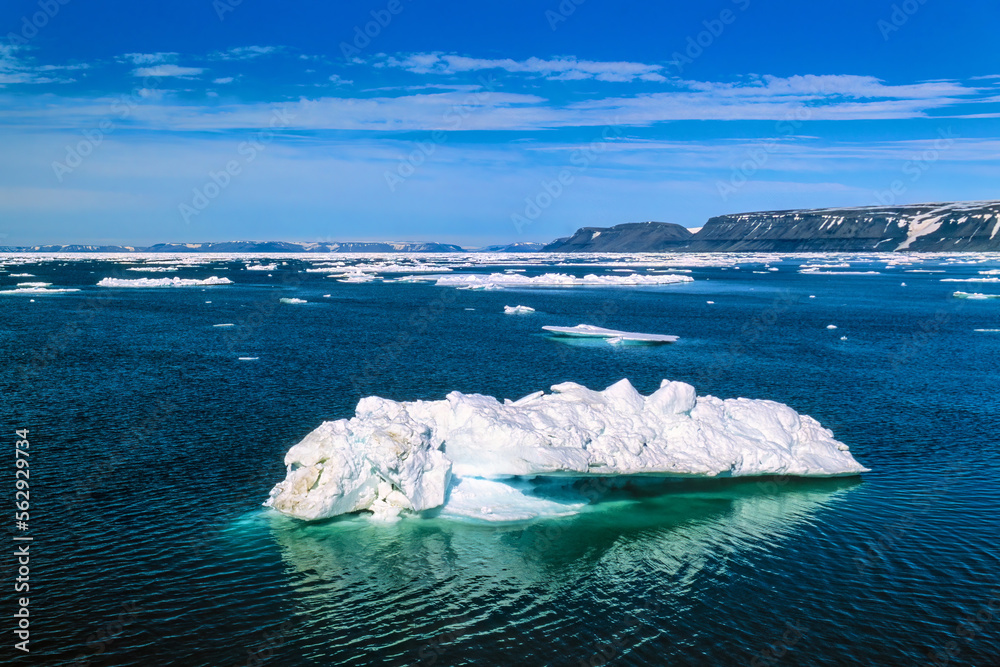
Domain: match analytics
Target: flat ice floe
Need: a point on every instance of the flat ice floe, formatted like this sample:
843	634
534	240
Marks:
518	310
292	300
262	267
970	280
975	295
38	290
498	280
163	282
611	335
414	456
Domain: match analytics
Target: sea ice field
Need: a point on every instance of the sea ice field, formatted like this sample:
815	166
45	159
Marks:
368	459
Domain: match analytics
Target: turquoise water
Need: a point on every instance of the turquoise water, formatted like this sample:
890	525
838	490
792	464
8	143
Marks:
152	448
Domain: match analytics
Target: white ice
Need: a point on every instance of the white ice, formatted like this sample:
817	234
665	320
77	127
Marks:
518	310
262	267
589	331
163	282
393	456
494	280
292	300
975	295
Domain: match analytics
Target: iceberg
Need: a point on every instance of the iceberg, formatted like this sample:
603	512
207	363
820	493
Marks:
395	457
292	300
613	336
500	280
163	282
518	310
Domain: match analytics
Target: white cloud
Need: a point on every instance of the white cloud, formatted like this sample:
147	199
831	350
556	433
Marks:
169	70
149	58
555	69
246	52
224	80
340	81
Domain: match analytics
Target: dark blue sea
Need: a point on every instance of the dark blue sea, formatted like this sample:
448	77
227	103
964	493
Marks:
152	447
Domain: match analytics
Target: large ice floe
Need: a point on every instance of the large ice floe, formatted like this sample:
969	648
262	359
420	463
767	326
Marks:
163	282
472	455
500	280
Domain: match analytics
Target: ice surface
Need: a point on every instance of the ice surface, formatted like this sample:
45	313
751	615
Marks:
970	280
518	310
38	290
163	282
589	331
412	456
495	280
975	295
262	267
292	300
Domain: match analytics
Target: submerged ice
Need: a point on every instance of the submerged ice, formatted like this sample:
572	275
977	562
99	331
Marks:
414	456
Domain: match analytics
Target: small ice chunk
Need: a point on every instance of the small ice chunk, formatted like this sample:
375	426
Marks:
518	310
831	326
292	300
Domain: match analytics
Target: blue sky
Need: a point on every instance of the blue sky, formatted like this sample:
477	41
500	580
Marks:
479	123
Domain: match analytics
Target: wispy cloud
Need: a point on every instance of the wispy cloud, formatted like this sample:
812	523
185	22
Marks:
168	70
554	69
149	58
246	52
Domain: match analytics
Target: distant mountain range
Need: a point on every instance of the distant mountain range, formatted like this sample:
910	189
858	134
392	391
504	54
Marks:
937	227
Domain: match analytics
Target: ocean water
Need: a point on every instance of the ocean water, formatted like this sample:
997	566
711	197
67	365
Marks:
153	446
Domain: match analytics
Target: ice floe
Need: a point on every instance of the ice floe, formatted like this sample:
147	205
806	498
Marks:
411	456
612	336
495	280
975	295
38	290
518	310
262	267
163	282
292	300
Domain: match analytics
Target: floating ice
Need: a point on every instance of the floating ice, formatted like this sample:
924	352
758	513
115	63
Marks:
589	331
38	290
153	269
970	280
831	326
495	280
518	310
24	285
395	456
224	325
163	282
248	358
262	267
975	295
292	300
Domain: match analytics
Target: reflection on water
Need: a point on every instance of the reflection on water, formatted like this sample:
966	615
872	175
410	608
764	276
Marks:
395	587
